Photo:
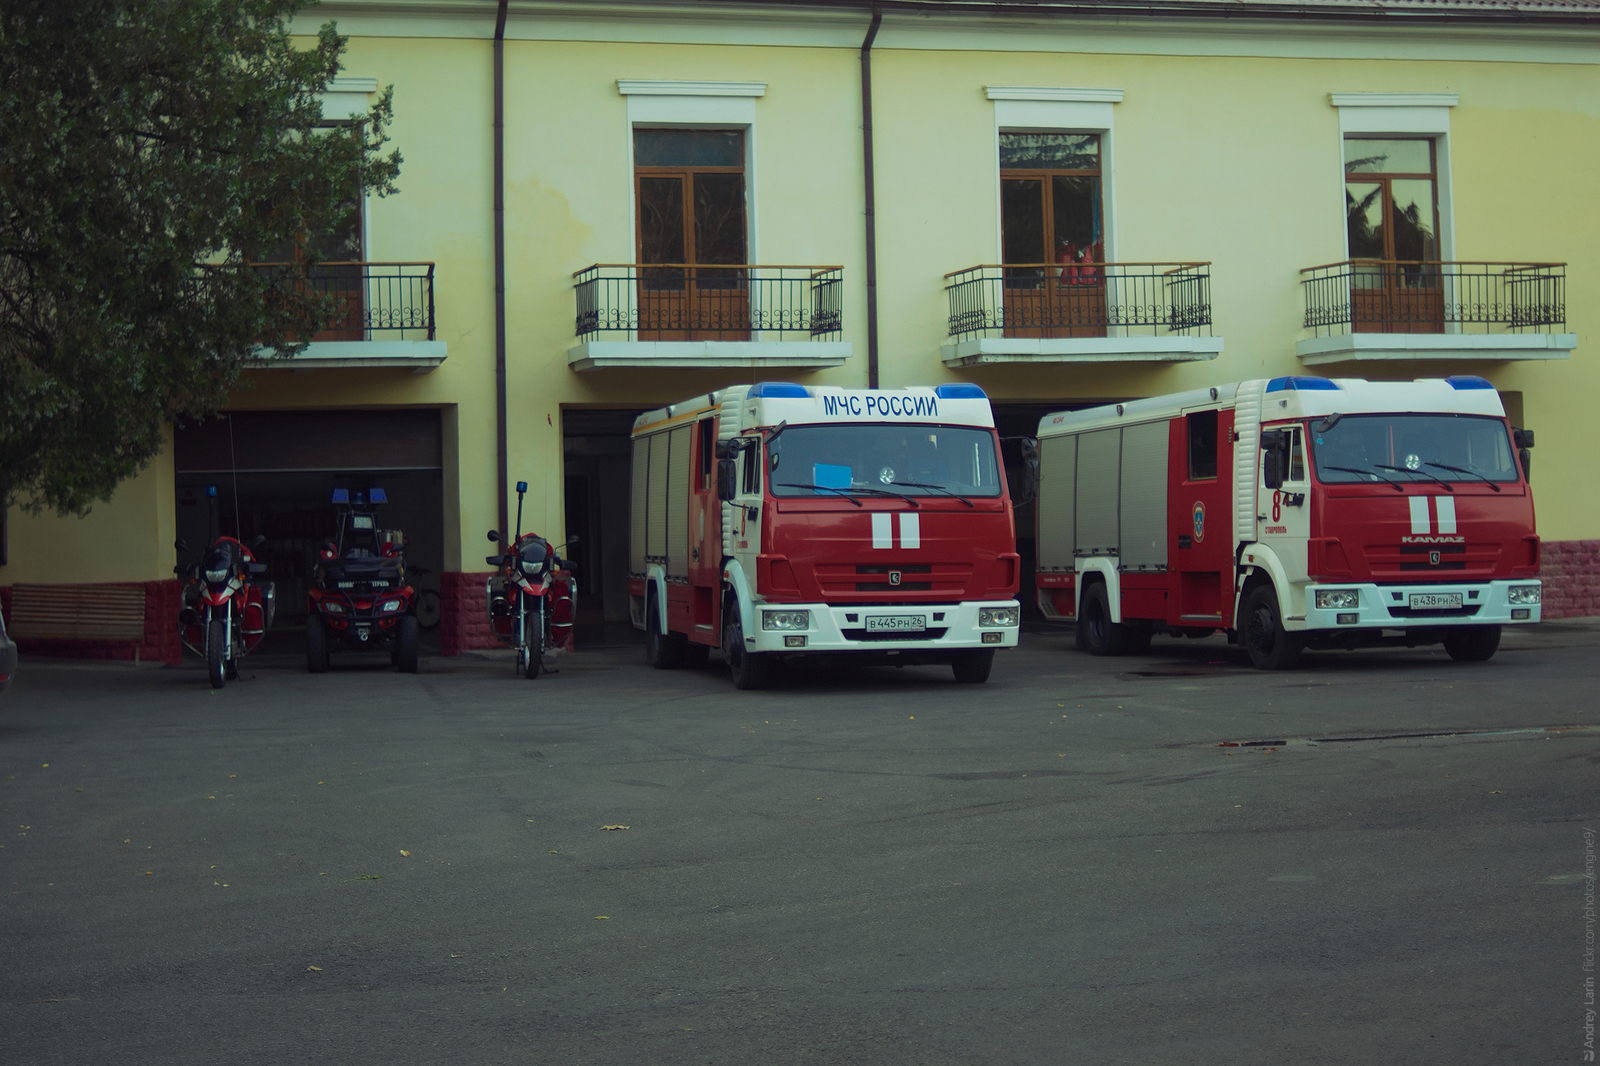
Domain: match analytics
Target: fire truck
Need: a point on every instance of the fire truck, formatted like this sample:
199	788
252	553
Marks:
1291	513
780	520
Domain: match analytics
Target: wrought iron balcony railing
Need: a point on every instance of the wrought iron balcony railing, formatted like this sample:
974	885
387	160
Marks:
680	302
1080	300
371	301
1391	296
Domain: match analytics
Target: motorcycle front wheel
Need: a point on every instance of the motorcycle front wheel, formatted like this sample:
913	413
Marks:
217	652
535	643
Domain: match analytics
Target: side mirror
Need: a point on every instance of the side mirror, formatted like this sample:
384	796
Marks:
494	537
573	540
1030	481
1274	458
727	449
180	545
1029	447
261	538
727	480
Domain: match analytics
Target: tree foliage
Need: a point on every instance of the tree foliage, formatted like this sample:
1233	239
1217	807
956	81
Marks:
150	151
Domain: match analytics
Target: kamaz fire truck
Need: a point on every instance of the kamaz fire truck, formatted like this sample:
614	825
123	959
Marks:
783	520
1291	513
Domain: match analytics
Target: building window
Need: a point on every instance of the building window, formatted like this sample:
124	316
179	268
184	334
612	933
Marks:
1052	234
690	191
1392	225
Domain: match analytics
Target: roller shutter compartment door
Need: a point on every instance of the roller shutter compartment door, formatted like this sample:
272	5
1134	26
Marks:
678	504
1144	496
640	512
655	545
1099	479
1058	491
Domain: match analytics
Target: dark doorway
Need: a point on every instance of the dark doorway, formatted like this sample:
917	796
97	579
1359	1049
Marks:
597	457
273	473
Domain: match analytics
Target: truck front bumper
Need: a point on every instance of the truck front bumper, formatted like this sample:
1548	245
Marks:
945	627
1482	603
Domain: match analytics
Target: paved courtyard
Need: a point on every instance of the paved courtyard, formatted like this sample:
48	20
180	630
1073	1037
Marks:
1170	859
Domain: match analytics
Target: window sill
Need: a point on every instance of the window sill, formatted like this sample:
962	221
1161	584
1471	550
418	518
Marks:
418	356
1080	350
1391	347
604	355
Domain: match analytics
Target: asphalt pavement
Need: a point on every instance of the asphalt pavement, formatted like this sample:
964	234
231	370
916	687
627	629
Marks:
1171	858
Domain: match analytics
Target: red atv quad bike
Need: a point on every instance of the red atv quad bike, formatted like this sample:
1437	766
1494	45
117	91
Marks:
359	597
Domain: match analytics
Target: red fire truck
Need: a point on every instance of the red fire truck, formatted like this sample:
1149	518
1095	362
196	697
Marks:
1291	513
780	520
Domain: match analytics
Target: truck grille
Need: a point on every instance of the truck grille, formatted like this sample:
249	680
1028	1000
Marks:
946	578
1391	561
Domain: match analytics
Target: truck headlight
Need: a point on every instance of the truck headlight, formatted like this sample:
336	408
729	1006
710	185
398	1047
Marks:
996	617
1523	593
785	619
1338	599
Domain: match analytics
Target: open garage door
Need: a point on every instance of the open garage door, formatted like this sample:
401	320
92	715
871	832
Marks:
274	473
597	458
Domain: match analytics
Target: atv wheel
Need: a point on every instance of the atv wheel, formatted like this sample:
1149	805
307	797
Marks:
405	650
316	645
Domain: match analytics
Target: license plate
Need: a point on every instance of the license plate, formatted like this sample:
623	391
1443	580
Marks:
1436	601
896	623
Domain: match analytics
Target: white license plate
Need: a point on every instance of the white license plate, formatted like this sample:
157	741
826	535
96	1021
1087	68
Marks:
1436	601
896	623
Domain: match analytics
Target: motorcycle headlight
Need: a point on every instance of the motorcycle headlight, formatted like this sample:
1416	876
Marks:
1523	593
217	577
1338	599
390	606
997	617
532	569
785	619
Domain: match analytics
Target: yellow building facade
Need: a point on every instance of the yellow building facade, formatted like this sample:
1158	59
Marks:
1070	204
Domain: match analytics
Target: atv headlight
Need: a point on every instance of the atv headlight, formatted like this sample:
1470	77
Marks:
1338	599
390	606
785	619
997	617
333	607
1523	593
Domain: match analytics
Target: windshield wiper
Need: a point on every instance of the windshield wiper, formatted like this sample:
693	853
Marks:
1407	470
890	493
821	488
1463	470
1380	477
937	488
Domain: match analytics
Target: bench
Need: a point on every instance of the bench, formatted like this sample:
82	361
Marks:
78	612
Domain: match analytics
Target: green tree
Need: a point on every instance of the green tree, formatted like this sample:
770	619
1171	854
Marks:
150	151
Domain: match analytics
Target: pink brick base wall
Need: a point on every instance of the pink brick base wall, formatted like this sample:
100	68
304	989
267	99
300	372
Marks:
159	644
464	616
1570	570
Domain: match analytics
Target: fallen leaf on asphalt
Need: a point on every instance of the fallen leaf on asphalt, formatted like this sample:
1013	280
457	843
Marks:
1496	792
458	956
314	969
602	917
406	853
149	873
616	827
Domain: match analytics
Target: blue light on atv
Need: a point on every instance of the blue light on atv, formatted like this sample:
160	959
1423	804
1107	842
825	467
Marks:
211	490
522	486
360	498
341	495
377	496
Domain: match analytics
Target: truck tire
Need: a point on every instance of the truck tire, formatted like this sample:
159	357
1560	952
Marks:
972	667
1270	646
1472	644
316	645
662	650
1101	635
217	652
405	651
748	669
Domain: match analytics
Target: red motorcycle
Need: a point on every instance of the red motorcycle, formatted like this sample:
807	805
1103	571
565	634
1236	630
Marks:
530	600
226	611
359	597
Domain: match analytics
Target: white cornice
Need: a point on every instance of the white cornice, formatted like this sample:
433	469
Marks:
647	87
352	85
1055	94
1394	99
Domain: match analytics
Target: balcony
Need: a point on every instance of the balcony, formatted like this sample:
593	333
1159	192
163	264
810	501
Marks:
735	315
1371	310
1080	313
383	315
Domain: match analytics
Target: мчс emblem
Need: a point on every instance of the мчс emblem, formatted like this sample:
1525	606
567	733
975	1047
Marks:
1199	521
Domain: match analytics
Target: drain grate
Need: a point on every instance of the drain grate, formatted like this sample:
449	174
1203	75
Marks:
1441	734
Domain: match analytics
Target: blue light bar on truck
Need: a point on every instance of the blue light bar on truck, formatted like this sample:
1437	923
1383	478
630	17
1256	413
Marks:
1301	384
960	391
1468	381
780	390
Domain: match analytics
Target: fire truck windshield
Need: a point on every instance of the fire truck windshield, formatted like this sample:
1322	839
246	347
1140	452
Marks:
1428	447
873	458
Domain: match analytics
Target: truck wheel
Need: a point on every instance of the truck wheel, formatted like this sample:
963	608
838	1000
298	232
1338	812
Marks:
662	650
316	645
405	651
972	667
216	653
1271	647
1101	635
1472	644
749	670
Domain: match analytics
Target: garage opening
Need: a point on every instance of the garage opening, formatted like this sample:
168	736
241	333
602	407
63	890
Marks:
273	473
596	465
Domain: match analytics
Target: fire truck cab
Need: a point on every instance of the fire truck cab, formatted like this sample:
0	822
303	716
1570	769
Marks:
1291	513
779	520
